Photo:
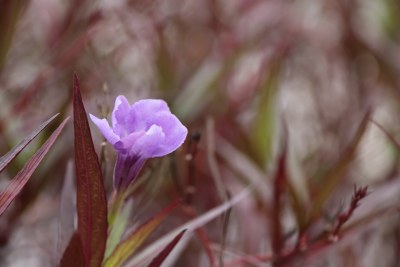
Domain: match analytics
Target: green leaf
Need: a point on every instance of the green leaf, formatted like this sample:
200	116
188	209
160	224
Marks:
264	122
118	227
125	249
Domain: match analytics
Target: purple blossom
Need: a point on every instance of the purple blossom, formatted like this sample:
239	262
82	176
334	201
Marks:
144	130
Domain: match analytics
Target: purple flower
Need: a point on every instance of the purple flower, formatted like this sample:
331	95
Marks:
144	130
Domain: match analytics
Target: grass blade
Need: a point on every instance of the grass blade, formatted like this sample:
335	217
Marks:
127	247
91	196
280	185
191	226
388	134
264	124
7	158
22	177
157	261
118	228
334	177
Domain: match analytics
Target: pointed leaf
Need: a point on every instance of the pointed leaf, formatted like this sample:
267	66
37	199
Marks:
388	134
191	225
157	261
263	127
118	228
280	186
19	181
127	247
7	158
73	254
91	196
335	176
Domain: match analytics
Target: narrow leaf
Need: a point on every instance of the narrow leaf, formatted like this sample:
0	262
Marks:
388	134
157	261
280	185
335	176
191	225
264	122
19	181
118	228
91	196
73	254
7	158
127	247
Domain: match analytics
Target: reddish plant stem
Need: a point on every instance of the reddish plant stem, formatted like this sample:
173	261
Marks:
190	181
285	257
358	195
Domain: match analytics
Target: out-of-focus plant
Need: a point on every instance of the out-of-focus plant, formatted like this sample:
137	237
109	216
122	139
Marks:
14	187
278	97
148	129
17	183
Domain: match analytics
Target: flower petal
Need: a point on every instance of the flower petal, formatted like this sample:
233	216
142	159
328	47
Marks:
105	129
121	118
175	132
148	145
126	143
145	109
145	106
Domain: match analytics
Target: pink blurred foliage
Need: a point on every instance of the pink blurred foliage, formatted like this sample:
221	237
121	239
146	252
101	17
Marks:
252	68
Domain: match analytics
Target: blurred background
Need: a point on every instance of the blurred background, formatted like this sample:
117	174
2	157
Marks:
315	84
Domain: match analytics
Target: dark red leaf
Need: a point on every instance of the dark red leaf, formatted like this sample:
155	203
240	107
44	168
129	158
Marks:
7	158
157	261
91	196
19	181
73	254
